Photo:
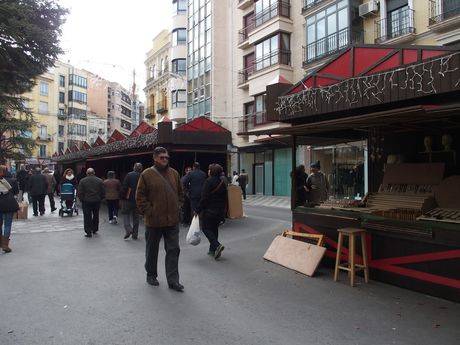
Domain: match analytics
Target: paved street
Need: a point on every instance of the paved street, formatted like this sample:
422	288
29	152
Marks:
58	287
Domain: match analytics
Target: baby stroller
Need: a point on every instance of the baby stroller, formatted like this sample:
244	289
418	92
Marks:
68	197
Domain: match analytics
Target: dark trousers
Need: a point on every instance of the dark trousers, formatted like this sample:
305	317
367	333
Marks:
112	207
91	216
186	211
243	189
38	203
170	235
210	228
52	203
129	211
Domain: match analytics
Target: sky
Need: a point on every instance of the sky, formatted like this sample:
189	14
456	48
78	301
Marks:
111	37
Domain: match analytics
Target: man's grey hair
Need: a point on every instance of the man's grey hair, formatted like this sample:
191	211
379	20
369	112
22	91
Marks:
138	167
90	171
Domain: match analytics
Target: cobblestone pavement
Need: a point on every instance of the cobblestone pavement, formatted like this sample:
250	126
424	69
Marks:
49	222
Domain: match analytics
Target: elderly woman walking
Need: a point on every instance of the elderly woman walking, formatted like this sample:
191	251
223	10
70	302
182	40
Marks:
212	208
8	206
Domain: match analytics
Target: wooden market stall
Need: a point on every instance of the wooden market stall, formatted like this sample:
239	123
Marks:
403	102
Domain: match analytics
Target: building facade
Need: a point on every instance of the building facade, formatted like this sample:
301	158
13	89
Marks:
165	91
281	41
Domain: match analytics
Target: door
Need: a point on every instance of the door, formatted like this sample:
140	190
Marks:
259	179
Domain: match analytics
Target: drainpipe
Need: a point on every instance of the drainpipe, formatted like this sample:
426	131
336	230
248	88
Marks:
383	18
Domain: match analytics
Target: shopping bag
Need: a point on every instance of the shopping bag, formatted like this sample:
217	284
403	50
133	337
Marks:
193	235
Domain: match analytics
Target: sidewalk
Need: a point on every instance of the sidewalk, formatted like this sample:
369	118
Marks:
283	202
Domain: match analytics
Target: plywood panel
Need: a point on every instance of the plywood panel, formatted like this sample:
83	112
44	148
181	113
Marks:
295	255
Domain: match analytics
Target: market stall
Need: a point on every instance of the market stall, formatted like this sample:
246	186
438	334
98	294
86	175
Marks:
402	102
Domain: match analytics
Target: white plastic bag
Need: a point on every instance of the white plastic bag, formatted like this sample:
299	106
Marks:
193	235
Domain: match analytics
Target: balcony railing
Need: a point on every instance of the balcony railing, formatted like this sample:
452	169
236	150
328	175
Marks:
330	44
398	25
244	74
250	121
282	57
150	115
161	108
441	10
244	32
307	4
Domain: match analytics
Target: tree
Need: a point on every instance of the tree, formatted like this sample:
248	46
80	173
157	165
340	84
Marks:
29	46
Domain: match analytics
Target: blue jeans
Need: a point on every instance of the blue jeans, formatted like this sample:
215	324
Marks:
6	219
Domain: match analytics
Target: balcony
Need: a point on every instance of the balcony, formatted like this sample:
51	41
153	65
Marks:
161	108
156	79
280	8
330	45
45	137
244	74
250	121
243	4
62	116
443	14
307	4
278	57
398	29
150	115
243	36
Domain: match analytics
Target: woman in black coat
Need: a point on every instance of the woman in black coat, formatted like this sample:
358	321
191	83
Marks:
213	208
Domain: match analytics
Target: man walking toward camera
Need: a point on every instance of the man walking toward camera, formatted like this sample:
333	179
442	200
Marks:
158	198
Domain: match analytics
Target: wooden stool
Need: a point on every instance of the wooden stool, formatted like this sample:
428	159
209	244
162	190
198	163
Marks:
350	266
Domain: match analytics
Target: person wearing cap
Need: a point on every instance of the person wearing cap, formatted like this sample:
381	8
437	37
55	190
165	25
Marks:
317	184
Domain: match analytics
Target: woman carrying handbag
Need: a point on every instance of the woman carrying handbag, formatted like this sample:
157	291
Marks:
212	208
8	207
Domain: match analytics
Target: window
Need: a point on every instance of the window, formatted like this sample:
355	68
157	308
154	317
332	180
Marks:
125	98
42	150
43	132
77	81
273	50
179	6
179	37
61	97
76	113
178	98
179	66
61	130
268	9
43	88
259	103
77	96
125	111
43	107
60	147
76	129
61	112
125	124
61	81
327	31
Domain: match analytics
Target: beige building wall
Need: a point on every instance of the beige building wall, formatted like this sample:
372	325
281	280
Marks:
157	70
42	102
444	32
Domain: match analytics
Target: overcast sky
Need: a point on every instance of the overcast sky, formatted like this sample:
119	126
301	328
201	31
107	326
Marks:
112	37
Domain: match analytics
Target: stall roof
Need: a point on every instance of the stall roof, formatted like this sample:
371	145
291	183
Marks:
200	131
374	78
404	117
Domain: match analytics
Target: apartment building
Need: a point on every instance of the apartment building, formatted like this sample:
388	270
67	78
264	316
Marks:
269	36
166	70
42	101
119	109
278	42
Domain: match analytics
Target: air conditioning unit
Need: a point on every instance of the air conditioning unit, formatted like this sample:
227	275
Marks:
368	9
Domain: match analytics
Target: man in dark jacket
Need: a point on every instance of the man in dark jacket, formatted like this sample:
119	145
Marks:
38	188
158	198
243	181
22	177
193	183
129	208
91	192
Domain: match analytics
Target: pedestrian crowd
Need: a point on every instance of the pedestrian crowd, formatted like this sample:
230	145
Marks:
159	194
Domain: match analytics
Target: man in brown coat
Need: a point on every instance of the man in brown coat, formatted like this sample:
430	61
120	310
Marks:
158	198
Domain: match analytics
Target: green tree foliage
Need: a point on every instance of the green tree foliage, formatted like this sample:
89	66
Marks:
29	46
